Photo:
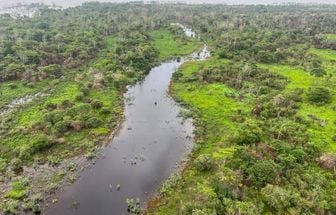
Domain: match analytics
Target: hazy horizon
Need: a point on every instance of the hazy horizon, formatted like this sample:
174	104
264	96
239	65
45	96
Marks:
70	3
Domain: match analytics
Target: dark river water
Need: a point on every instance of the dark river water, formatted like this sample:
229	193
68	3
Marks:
152	136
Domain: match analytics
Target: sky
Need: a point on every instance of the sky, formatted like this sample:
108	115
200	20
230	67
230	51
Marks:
67	3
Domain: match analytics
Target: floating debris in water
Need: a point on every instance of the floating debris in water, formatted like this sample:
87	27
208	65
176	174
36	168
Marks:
142	158
75	205
133	206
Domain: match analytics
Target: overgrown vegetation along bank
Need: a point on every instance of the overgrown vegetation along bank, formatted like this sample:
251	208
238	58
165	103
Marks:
250	151
264	105
41	140
264	110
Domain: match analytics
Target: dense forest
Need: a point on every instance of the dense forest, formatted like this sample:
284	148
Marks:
263	105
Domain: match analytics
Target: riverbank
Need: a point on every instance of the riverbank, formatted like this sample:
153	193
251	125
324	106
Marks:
41	178
151	136
230	134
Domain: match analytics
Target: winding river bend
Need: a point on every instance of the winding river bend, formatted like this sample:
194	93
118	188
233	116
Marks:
149	147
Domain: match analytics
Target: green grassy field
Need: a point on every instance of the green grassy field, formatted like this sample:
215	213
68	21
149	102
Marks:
16	89
170	46
322	135
330	36
213	112
327	54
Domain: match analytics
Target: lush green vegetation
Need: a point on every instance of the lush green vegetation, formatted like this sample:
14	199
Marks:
264	111
82	73
170	45
264	104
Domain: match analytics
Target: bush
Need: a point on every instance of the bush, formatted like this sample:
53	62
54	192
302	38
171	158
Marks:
61	127
52	117
318	72
66	103
224	190
287	162
11	207
169	184
33	203
250	133
42	143
276	197
79	97
93	122
96	104
319	96
16	165
50	106
262	172
105	111
85	91
79	111
204	163
18	189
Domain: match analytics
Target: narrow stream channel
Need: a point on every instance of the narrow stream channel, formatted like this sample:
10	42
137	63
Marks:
149	147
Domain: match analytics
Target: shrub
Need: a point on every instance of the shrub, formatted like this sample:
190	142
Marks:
42	143
11	207
18	189
262	172
53	160
204	163
300	155
319	96
169	184
276	197
287	162
96	104
33	203
224	190
66	103
53	69
79	110
105	111
50	106
318	72
85	91
52	117
61	127
250	133
93	122
79	97
16	165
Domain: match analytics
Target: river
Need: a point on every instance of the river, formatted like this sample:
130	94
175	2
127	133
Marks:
148	148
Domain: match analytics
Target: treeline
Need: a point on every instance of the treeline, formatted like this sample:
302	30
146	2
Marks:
55	41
